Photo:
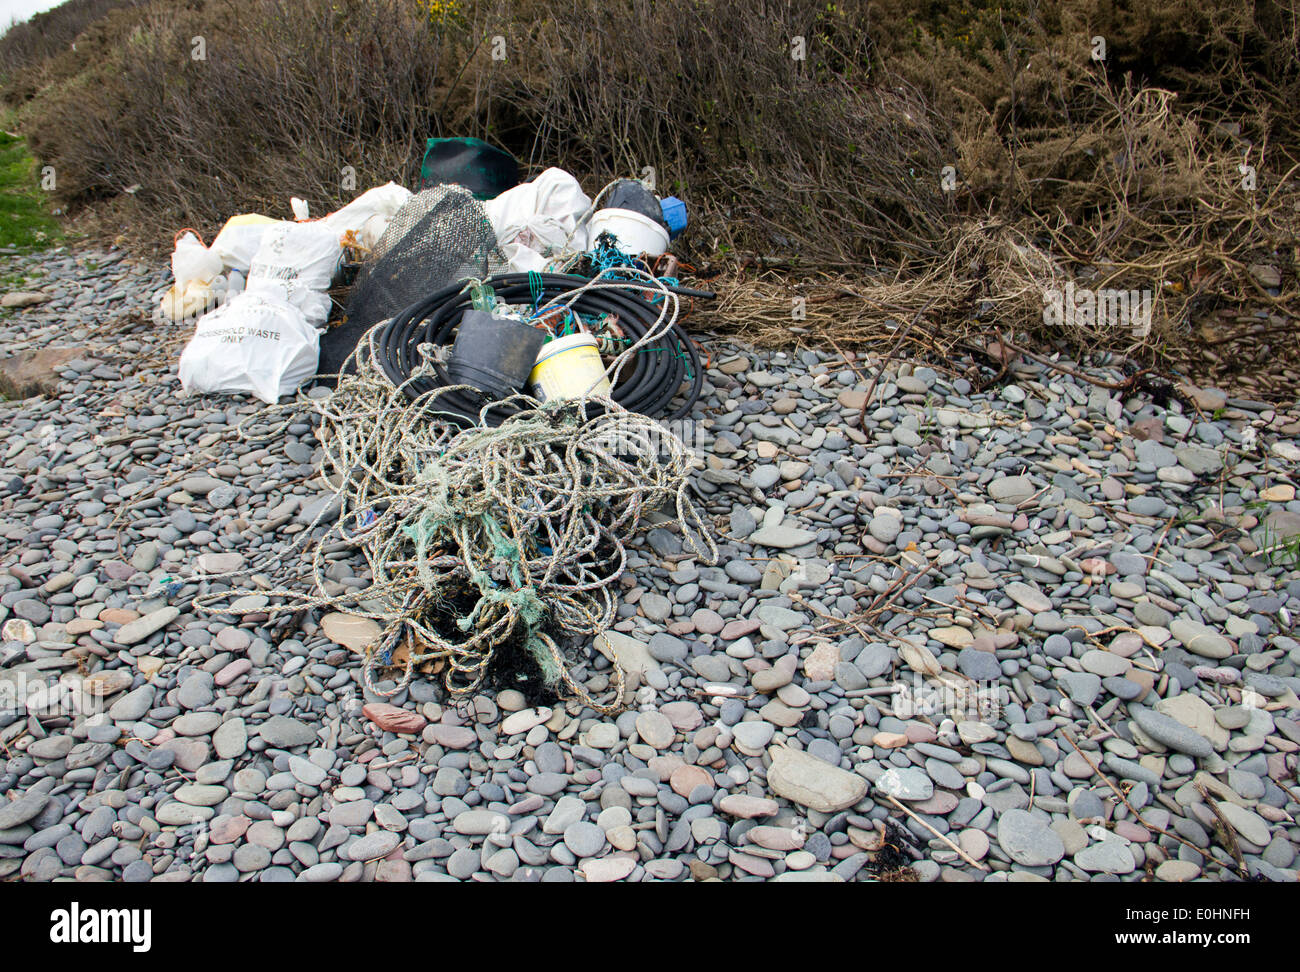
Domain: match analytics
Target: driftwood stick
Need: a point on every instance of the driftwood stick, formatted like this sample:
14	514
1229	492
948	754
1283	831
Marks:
964	856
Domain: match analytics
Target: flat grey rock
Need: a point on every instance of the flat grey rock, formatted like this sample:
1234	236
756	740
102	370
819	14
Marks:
1110	856
283	732
781	537
812	782
138	630
1028	840
1171	732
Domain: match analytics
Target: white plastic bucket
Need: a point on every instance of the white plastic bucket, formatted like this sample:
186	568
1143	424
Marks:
569	367
635	233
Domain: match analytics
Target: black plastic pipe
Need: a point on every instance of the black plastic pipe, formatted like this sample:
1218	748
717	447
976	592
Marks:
648	384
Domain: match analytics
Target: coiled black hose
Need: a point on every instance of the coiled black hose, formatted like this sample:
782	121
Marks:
647	385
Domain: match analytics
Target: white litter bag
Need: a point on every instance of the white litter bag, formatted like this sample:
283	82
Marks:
239	239
297	261
192	261
194	268
256	343
370	213
539	219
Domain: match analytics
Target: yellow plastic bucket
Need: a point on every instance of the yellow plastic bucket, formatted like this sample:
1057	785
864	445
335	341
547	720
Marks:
569	367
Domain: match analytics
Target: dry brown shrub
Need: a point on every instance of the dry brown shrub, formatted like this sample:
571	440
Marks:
1109	181
824	161
1161	207
288	95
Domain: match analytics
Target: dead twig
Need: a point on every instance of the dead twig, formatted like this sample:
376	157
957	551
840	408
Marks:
1132	809
871	390
946	840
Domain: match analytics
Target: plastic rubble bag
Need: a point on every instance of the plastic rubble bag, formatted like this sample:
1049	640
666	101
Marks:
196	300
199	298
372	230
297	262
370	213
191	261
540	219
483	169
255	342
239	239
194	267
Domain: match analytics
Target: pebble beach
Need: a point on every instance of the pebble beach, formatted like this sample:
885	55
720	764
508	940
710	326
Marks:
1041	632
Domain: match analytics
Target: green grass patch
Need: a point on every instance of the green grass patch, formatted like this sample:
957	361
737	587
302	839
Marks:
25	218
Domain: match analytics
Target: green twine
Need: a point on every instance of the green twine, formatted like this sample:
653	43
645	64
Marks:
523	600
680	354
528	608
439	517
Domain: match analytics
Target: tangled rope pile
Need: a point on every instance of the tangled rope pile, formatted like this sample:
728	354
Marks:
486	537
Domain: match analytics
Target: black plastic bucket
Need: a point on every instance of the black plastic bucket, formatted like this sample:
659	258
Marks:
494	354
630	194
